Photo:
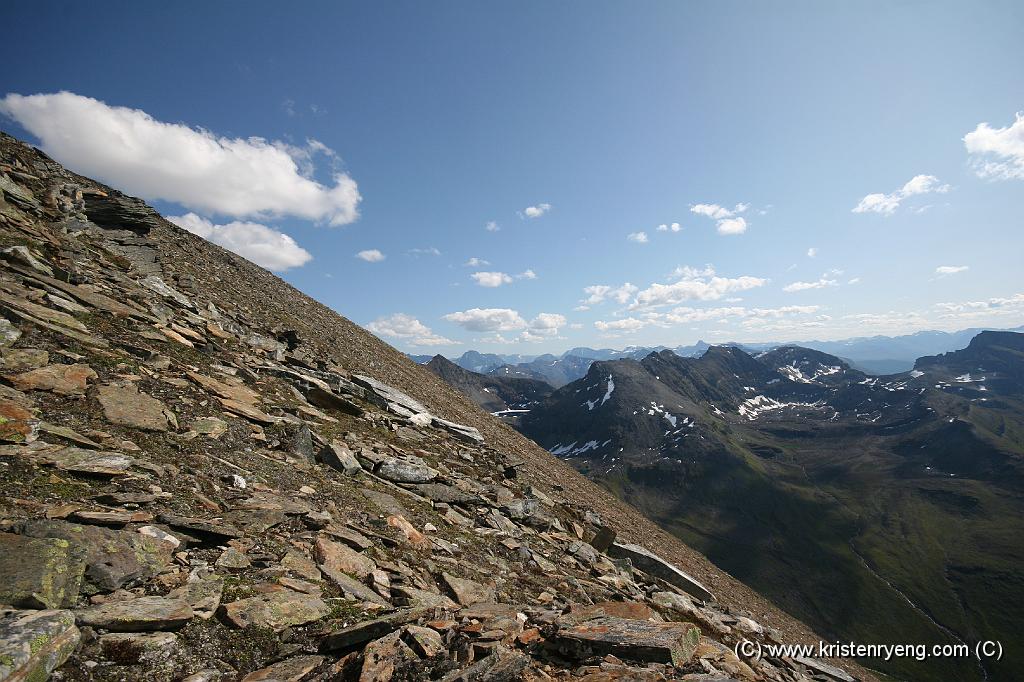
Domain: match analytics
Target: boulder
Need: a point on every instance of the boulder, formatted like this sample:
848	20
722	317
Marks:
113	558
289	670
404	471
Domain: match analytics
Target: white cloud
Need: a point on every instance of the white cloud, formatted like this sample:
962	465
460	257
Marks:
535	211
527	274
727	220
476	262
487	319
626	324
998	153
544	325
371	256
675	227
429	251
887	204
950	269
491	279
638	237
264	246
804	286
597	293
699	285
687	315
732	226
663	228
492	226
812	252
239	177
855	280
407	328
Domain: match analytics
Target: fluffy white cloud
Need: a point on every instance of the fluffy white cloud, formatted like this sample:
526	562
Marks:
887	204
665	227
812	252
950	269
475	262
491	279
694	285
998	153
597	293
544	325
727	220
371	256
487	319
239	177
429	251
527	274
407	328
626	324
687	315
732	226
548	321
535	211
638	237
804	286
492	226
264	246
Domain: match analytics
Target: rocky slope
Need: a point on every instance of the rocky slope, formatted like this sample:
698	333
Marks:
207	475
809	480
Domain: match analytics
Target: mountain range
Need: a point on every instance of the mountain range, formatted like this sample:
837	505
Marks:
810	478
877	355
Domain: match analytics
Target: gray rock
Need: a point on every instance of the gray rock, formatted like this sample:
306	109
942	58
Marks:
113	558
404	471
35	643
39	573
137	615
274	610
654	565
638	640
338	456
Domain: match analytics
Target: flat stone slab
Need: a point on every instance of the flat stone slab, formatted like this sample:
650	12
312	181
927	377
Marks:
275	610
637	640
39	573
60	379
35	643
335	556
137	615
289	670
126	406
468	592
360	633
654	565
390	398
91	462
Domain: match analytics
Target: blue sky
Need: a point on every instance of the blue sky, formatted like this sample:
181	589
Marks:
826	163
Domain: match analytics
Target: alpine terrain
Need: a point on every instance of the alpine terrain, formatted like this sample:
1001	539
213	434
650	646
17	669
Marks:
875	508
208	475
